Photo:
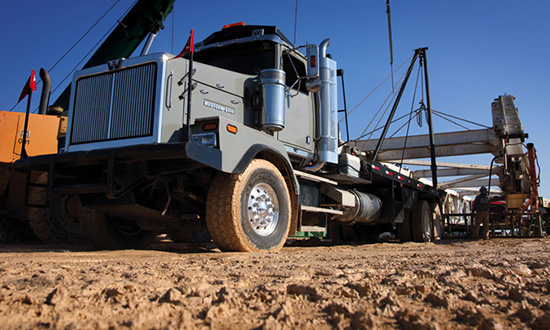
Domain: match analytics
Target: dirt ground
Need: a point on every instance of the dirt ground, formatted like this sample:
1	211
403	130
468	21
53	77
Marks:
452	284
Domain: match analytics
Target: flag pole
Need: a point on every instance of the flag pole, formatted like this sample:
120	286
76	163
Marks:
30	86
24	141
189	90
190	83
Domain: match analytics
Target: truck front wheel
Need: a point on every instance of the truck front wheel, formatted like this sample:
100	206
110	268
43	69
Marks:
113	233
250	211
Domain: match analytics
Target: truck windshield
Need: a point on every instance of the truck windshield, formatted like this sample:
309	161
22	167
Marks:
247	58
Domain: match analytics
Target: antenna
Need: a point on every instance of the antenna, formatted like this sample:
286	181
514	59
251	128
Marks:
295	22
388	11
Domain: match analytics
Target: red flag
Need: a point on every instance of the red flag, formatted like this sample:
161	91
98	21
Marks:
189	46
30	87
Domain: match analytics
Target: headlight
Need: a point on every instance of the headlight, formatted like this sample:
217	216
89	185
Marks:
205	139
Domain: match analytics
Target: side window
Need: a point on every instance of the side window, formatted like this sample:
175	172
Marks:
295	69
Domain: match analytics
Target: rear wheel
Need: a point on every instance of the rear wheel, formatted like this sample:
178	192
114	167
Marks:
113	233
404	228
249	211
58	223
63	220
422	222
437	221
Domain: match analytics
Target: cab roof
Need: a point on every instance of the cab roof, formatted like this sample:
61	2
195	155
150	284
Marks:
237	31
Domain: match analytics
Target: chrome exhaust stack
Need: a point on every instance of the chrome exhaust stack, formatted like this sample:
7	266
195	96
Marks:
328	112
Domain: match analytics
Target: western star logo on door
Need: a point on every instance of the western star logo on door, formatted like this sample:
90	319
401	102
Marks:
219	107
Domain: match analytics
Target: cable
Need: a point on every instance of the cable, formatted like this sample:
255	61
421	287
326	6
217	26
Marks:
392	95
386	110
85	34
173	19
407	122
375	89
410	118
92	49
295	22
74	45
379	128
388	12
447	119
458	118
410	113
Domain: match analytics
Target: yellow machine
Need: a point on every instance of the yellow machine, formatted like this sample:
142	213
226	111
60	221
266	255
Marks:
43	132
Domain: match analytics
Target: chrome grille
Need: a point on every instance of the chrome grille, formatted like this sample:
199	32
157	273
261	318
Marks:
114	105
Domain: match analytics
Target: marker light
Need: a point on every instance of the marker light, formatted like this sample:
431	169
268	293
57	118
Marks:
232	25
209	127
232	129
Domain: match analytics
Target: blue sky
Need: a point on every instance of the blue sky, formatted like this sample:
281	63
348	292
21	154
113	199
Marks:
478	50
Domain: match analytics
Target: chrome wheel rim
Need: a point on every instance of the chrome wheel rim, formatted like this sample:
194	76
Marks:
263	209
426	215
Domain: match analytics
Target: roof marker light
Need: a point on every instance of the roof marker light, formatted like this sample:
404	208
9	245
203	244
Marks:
233	25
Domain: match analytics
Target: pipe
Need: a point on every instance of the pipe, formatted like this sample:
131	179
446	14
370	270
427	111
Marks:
328	109
323	47
367	209
490	175
430	126
315	168
150	38
533	200
46	88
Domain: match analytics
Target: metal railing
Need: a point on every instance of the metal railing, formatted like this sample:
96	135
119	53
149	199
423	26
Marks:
510	224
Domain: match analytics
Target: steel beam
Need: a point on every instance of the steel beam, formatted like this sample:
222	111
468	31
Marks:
471	182
450	172
442	164
446	144
497	170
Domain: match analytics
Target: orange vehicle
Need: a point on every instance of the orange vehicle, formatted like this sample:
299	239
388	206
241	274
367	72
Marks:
42	133
24	211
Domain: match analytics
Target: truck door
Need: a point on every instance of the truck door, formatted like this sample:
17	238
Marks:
299	107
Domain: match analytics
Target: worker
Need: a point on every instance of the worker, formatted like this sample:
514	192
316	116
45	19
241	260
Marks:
480	210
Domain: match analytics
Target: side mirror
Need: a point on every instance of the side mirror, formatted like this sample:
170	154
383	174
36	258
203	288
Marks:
312	53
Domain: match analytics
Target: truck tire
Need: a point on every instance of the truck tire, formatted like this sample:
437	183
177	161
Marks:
64	226
38	216
249	212
437	222
106	232
422	224
404	229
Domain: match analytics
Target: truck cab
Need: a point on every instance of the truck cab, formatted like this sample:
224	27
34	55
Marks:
249	49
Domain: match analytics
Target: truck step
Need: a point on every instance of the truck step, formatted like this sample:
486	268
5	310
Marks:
315	178
321	210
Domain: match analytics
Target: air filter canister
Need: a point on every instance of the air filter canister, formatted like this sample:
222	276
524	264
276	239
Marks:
272	84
